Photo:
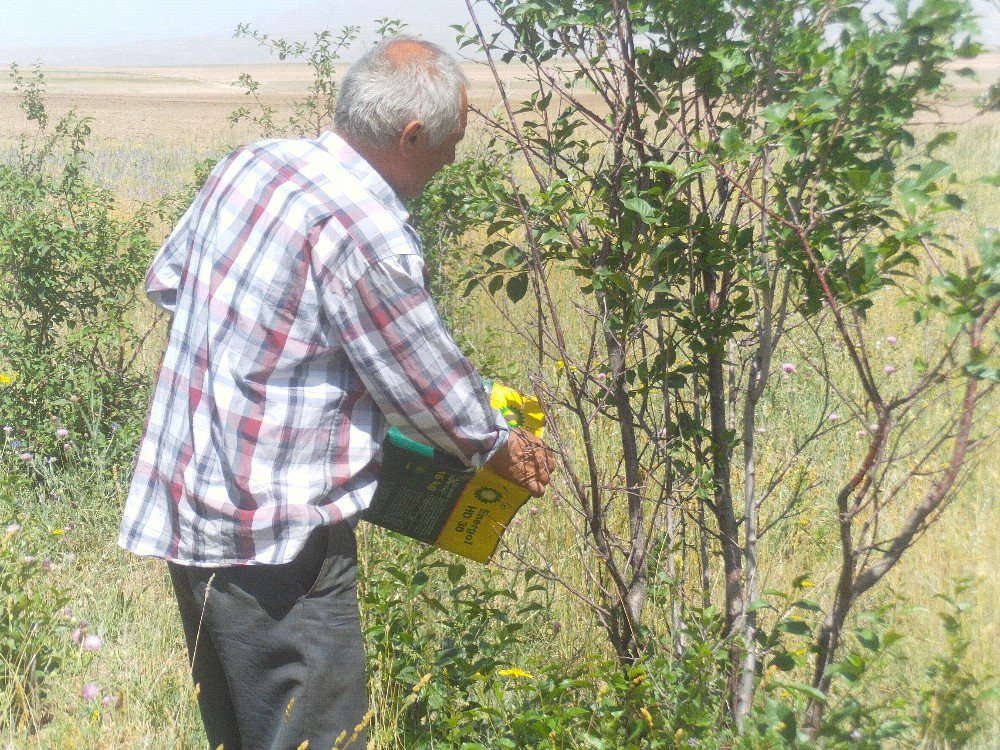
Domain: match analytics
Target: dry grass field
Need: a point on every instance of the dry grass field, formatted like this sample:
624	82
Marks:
150	125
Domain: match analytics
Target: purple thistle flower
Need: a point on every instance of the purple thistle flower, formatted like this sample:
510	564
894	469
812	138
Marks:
891	340
26	457
77	636
8	429
67	446
109	701
787	367
92	643
13	528
889	369
90	691
62	432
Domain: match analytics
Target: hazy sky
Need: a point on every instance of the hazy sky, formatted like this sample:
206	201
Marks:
27	24
44	23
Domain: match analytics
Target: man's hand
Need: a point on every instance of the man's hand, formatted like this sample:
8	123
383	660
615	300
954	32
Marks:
524	460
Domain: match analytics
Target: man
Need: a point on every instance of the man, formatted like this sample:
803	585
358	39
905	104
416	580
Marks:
301	329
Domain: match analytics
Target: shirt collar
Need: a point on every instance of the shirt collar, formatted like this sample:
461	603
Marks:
365	172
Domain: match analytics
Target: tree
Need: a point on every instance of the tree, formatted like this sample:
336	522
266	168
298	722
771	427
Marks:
717	177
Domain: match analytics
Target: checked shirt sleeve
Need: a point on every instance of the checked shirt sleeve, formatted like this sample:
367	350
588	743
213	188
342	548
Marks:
391	331
164	276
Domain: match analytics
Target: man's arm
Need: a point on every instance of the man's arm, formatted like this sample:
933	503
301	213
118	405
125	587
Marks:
391	332
164	275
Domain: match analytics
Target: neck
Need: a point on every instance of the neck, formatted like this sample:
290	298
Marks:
379	160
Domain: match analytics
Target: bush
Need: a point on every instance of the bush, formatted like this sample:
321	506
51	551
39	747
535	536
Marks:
70	270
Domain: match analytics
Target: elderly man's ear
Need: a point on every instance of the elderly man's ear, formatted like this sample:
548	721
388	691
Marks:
411	134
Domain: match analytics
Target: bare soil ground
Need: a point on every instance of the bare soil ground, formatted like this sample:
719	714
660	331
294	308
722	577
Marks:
191	104
186	104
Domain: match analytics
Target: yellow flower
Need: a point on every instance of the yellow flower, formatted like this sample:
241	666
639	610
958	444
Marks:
514	672
807	584
5	379
58	532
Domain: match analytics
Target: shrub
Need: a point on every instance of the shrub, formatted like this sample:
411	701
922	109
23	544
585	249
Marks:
70	269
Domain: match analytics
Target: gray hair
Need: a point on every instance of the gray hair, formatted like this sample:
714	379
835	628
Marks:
379	95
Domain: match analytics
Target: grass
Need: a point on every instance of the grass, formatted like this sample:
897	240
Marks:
142	666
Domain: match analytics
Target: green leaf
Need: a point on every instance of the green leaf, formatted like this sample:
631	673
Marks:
517	287
646	212
731	141
455	572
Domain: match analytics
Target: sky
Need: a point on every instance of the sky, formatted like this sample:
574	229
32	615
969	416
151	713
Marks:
44	25
49	26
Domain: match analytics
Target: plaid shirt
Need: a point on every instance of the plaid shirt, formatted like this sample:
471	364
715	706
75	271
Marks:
301	327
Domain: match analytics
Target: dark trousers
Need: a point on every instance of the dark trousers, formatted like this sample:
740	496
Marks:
276	650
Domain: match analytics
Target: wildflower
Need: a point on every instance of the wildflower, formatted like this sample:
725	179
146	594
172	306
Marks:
856	735
90	691
8	429
15	444
787	367
67	446
515	672
692	742
109	701
26	456
833	416
77	636
115	427
92	643
533	510
67	611
861	433
761	430
50	460
803	522
13	528
5	379
889	369
54	419
58	532
807	584
29	559
891	340
47	564
62	432
556	627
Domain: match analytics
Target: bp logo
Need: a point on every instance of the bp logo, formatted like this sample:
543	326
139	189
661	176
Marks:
487	495
513	415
